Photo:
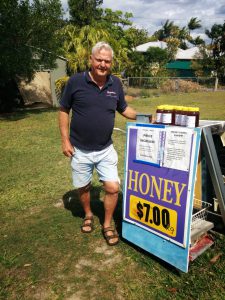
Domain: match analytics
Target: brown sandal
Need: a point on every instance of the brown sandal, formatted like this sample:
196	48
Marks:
86	224
109	237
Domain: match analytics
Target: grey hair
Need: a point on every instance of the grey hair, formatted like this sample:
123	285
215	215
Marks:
102	45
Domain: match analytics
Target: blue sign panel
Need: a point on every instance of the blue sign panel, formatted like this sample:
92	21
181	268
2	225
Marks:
160	168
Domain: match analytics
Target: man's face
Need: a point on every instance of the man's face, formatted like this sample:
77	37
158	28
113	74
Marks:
101	62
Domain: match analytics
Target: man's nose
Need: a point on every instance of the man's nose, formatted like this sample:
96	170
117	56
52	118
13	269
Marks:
102	64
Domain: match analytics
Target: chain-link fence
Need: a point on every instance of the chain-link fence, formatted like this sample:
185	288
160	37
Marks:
171	84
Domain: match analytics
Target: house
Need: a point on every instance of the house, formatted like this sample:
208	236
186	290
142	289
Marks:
41	90
144	47
182	63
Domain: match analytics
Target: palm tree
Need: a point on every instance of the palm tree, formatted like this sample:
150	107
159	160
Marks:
78	43
168	28
183	37
193	24
166	31
198	41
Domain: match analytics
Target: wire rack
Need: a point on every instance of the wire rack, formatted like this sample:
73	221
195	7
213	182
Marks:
200	212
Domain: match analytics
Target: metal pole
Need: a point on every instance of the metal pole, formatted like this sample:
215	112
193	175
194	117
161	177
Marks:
214	168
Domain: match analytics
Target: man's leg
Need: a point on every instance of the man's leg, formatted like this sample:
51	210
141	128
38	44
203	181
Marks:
82	168
85	199
110	201
106	166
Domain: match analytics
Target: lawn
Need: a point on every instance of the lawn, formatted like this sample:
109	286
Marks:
43	254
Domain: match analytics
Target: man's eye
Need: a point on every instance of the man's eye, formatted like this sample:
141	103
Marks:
101	60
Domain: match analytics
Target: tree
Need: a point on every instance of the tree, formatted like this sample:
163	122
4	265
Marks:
28	40
123	37
173	36
216	57
156	59
114	22
77	45
170	31
212	61
135	36
137	65
193	24
78	41
172	47
183	37
84	12
197	41
117	18
157	55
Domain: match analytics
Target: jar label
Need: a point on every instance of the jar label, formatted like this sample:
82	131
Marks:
167	118
183	120
190	122
158	117
177	119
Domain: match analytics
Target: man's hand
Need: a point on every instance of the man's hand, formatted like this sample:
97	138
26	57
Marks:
67	148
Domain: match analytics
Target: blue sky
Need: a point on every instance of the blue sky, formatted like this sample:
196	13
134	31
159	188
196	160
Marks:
152	14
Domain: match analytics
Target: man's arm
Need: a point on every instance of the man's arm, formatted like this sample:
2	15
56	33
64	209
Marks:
67	148
129	113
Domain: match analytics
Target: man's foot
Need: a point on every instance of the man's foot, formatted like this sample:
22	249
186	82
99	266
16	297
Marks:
88	224
111	236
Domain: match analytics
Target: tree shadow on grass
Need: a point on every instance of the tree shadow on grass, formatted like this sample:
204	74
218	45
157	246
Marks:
72	203
25	113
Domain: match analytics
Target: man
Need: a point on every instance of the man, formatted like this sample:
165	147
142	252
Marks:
94	96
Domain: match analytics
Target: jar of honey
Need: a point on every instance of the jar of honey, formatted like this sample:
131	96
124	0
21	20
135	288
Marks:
168	115
159	111
192	119
177	115
183	117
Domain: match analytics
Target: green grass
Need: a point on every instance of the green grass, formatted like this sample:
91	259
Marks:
43	255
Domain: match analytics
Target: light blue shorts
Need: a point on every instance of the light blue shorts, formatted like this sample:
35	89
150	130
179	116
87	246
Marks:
83	163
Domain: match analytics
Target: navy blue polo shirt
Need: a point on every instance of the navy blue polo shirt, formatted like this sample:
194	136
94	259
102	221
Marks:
93	110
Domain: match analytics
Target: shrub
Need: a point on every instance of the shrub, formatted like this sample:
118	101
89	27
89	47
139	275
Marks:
179	85
134	92
60	85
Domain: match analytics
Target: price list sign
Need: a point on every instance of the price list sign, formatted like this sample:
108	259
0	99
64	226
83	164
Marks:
157	180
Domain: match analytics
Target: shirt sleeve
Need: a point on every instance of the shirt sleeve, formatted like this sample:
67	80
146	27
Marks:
66	99
122	104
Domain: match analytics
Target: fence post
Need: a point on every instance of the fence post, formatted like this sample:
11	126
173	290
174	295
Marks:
216	84
177	85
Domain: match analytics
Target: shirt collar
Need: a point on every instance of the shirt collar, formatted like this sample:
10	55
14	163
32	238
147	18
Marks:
109	79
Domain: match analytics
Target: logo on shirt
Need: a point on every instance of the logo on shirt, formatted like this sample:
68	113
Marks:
111	94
